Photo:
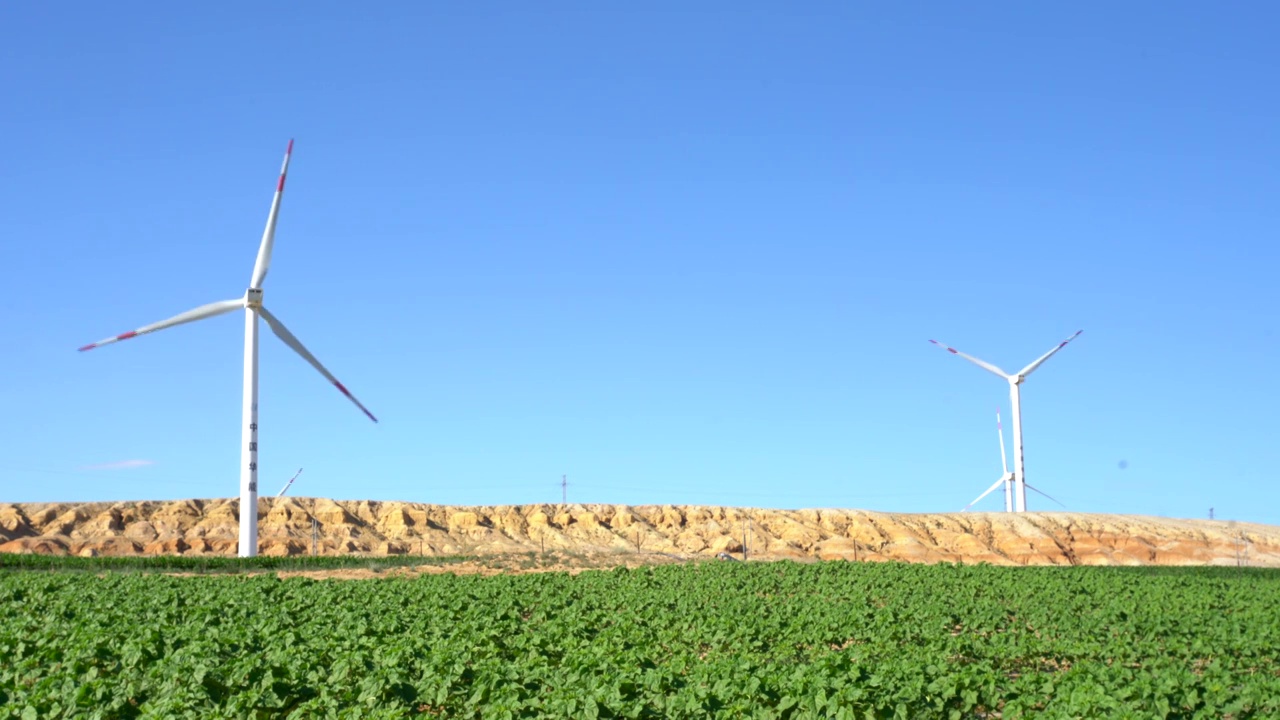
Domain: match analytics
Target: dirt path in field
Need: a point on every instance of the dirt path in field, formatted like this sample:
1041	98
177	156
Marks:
492	565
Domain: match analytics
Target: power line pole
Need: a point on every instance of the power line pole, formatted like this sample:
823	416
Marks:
1210	513
315	534
564	489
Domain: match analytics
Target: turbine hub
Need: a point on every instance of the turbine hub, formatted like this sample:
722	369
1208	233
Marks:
253	298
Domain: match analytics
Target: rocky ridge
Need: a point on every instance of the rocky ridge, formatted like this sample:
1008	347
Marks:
381	528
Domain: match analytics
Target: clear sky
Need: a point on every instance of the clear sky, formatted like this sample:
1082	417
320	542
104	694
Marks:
681	252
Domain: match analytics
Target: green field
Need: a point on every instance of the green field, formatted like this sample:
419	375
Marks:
759	640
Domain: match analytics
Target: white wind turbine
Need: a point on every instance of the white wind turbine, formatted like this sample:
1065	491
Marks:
251	303
1015	381
1006	479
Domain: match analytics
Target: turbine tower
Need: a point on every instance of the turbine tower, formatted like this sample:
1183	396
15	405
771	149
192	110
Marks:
253	309
1006	479
1015	381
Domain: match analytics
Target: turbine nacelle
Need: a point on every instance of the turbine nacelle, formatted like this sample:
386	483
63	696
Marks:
253	298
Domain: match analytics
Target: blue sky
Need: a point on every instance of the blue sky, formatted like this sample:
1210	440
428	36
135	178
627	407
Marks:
686	253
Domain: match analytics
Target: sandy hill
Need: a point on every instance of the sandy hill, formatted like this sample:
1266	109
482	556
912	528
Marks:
380	528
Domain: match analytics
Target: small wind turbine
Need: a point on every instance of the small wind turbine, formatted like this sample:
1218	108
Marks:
1015	380
286	485
253	308
1006	479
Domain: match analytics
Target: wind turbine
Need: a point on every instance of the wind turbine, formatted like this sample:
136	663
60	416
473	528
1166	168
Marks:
253	308
1006	479
1015	381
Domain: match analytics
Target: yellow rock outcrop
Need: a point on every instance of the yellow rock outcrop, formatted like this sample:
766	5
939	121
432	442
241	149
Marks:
194	527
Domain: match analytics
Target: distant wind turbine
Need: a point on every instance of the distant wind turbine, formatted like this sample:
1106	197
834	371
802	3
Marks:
1015	381
252	305
1006	479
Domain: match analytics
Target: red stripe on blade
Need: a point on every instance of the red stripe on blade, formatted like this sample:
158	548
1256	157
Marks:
90	346
126	336
346	392
280	185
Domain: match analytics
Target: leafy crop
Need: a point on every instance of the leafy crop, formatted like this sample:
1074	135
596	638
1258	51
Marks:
212	563
725	640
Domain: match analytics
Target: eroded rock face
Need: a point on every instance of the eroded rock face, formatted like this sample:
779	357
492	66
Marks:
195	527
13	524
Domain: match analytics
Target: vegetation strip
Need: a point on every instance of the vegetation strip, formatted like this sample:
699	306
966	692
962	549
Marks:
201	564
718	640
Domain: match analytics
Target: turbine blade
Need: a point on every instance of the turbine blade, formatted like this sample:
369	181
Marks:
1040	360
1004	462
1029	487
286	485
980	363
263	263
199	313
283	333
988	492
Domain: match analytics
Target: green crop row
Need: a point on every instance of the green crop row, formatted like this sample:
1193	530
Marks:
712	640
210	563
